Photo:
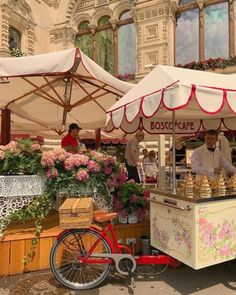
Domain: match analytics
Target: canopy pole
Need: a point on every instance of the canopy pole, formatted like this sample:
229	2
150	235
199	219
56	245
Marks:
6	126
173	155
98	138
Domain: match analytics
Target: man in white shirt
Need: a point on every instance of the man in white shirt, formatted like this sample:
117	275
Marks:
208	159
132	156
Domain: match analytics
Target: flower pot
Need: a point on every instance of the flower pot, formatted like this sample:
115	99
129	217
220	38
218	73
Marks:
122	219
133	218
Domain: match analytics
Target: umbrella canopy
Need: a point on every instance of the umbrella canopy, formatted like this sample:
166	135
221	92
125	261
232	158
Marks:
55	89
199	99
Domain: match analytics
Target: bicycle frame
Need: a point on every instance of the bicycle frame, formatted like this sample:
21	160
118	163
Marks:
116	249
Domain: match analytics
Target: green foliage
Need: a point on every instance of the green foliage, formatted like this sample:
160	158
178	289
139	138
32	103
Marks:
210	64
21	157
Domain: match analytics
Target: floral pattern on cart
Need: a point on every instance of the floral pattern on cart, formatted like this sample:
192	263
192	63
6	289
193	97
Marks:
217	239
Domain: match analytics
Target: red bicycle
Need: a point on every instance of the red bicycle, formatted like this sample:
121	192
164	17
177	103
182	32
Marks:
81	259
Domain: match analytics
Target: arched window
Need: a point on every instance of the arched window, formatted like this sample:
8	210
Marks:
105	49
14	38
112	47
84	39
187	36
217	31
126	44
205	34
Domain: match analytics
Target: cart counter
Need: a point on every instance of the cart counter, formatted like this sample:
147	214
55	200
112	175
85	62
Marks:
198	232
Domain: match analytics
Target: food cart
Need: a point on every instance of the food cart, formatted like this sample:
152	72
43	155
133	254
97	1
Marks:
198	231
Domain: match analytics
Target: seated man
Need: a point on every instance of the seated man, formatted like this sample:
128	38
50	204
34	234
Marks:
70	142
208	159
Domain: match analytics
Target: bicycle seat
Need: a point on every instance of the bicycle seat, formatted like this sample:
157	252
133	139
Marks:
102	217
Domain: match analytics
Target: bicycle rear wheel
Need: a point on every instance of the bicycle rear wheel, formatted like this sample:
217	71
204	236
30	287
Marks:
65	255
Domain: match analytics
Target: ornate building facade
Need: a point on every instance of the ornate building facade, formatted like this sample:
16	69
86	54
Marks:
123	36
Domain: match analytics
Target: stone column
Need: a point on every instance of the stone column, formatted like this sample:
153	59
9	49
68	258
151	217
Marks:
155	24
4	28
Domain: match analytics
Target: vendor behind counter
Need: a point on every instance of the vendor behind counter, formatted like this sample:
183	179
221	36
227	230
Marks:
207	159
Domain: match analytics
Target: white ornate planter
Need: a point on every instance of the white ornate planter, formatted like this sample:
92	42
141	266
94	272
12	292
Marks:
21	185
17	191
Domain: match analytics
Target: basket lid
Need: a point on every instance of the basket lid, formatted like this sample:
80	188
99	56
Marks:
76	205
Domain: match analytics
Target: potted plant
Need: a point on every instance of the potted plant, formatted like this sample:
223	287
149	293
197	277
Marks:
131	202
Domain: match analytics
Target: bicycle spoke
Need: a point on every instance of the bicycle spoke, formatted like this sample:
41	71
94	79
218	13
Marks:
67	253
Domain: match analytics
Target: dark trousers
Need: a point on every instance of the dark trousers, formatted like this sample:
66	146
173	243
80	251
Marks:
132	172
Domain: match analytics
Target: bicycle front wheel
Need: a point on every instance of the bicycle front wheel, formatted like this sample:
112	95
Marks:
66	254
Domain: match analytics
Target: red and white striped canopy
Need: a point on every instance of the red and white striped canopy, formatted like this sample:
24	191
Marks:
200	100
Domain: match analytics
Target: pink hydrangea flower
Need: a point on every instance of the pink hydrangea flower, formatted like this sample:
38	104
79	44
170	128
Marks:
94	167
133	198
99	157
122	177
48	159
146	194
36	147
117	204
109	161
82	175
108	170
131	181
52	173
69	164
80	160
61	154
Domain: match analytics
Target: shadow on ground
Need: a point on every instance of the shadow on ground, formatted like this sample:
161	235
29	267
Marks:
183	280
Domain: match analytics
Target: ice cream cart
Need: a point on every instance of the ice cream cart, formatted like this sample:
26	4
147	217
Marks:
197	231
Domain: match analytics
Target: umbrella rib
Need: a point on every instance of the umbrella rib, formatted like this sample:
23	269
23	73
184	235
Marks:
91	83
88	99
26	94
89	95
100	106
40	89
53	89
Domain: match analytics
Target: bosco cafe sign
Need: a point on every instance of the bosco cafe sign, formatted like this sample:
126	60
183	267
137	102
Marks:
166	126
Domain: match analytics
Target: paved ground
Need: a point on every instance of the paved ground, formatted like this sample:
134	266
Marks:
217	280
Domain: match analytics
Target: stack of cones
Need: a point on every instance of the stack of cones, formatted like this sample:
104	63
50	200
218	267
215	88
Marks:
221	188
189	186
205	190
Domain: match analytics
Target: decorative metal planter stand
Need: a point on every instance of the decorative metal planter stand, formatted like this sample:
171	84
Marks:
16	192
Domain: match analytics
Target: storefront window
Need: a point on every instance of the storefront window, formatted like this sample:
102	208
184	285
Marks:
217	31
187	37
126	45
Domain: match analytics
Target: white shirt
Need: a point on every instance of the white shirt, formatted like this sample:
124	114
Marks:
205	161
132	145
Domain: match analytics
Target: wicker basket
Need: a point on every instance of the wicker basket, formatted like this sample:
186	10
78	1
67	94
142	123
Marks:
76	213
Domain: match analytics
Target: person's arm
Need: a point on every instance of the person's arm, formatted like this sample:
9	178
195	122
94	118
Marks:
226	165
133	153
196	164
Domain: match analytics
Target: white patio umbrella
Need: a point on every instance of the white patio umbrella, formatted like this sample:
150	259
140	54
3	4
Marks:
55	89
174	97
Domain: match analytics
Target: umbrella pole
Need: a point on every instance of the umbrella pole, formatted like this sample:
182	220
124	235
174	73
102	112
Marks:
173	155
